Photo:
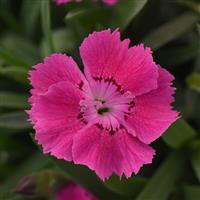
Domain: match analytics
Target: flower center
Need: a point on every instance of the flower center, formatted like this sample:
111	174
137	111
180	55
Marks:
102	110
106	104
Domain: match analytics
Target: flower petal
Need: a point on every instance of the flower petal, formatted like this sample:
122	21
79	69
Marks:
59	2
152	113
105	55
74	191
56	67
120	153
54	116
110	2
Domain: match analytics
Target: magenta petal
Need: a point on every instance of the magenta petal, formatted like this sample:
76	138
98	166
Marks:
138	73
110	2
56	68
59	2
105	55
54	116
120	153
74	191
152	113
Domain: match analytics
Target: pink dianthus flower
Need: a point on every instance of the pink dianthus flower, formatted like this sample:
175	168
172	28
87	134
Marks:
107	117
59	2
73	191
108	2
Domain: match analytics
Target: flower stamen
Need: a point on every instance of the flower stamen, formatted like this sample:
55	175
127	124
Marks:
106	104
103	110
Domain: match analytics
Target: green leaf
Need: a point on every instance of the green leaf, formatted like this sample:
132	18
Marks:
195	157
195	6
177	55
10	196
191	192
17	73
10	57
12	100
193	81
128	187
14	120
197	61
20	47
46	25
29	15
34	163
198	28
170	31
85	21
165	179
64	40
86	178
179	134
124	12
7	16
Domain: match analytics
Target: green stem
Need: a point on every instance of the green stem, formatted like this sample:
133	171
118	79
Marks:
46	25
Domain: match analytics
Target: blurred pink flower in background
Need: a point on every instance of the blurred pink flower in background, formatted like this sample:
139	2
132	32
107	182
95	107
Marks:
108	2
59	2
74	191
107	117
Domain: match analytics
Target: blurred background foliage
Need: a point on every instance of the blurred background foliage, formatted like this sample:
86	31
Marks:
32	29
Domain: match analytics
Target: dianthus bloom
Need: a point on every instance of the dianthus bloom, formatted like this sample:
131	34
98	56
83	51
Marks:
59	2
106	117
108	2
73	191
